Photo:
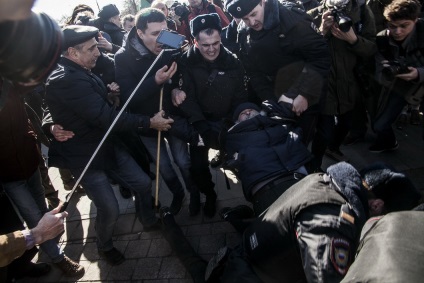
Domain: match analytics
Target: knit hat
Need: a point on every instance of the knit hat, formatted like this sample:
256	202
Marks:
240	8
244	106
205	21
108	12
395	189
76	34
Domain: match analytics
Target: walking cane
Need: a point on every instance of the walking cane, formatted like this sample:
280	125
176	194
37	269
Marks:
158	156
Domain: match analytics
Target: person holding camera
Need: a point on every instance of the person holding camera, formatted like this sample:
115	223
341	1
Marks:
350	32
399	68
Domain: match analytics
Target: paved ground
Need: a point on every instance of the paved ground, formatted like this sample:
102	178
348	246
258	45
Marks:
150	258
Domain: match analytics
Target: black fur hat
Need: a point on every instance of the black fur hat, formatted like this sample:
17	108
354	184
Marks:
203	22
394	188
108	12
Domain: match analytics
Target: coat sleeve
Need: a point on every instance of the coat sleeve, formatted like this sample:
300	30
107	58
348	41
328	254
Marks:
127	80
12	246
365	47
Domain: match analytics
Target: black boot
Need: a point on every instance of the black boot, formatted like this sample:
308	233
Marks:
194	206
210	204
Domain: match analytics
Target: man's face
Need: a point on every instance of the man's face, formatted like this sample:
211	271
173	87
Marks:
128	25
86	56
116	20
162	7
209	45
247	114
195	3
255	19
150	35
400	29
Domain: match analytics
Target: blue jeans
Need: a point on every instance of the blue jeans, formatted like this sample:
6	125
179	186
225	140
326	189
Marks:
179	151
28	198
383	122
98	189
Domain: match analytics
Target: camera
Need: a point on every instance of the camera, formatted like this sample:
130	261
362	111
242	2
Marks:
393	68
29	49
170	39
344	22
181	11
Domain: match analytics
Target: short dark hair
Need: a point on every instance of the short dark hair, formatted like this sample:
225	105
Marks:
148	15
402	10
208	31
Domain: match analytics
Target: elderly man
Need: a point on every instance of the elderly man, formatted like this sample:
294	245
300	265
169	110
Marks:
211	85
110	21
78	101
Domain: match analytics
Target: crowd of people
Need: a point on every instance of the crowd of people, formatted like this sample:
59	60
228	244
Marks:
272	86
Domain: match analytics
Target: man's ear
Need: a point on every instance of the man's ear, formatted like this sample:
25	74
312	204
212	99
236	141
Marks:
376	206
72	52
140	34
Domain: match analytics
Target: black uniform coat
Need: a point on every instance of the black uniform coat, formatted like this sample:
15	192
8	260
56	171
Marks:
77	100
288	38
213	89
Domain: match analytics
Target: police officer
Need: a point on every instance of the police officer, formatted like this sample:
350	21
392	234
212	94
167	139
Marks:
211	85
284	55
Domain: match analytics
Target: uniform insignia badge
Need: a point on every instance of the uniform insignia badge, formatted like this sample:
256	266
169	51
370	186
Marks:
203	21
180	82
340	255
238	9
253	241
221	73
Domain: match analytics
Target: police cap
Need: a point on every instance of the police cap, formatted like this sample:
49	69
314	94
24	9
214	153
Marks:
203	22
240	8
75	34
108	12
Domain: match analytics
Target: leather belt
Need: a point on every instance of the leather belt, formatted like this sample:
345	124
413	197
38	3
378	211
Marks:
277	181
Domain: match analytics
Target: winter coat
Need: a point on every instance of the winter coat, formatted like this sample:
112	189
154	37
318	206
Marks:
19	153
77	100
288	38
116	33
412	52
213	90
343	85
261	148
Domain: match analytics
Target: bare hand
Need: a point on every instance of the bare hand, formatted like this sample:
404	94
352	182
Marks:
348	36
60	134
103	43
178	96
113	87
412	75
160	123
165	73
327	22
49	226
300	104
113	98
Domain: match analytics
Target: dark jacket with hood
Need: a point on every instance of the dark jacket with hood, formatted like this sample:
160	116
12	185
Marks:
77	100
343	85
116	33
262	148
288	38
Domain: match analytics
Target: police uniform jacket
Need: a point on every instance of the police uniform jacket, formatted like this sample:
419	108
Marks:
313	226
77	100
390	250
213	89
343	86
261	148
287	39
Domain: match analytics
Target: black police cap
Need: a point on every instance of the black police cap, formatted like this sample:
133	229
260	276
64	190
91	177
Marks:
76	34
240	8
203	22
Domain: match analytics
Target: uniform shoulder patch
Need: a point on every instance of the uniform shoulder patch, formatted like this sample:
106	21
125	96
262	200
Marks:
340	255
